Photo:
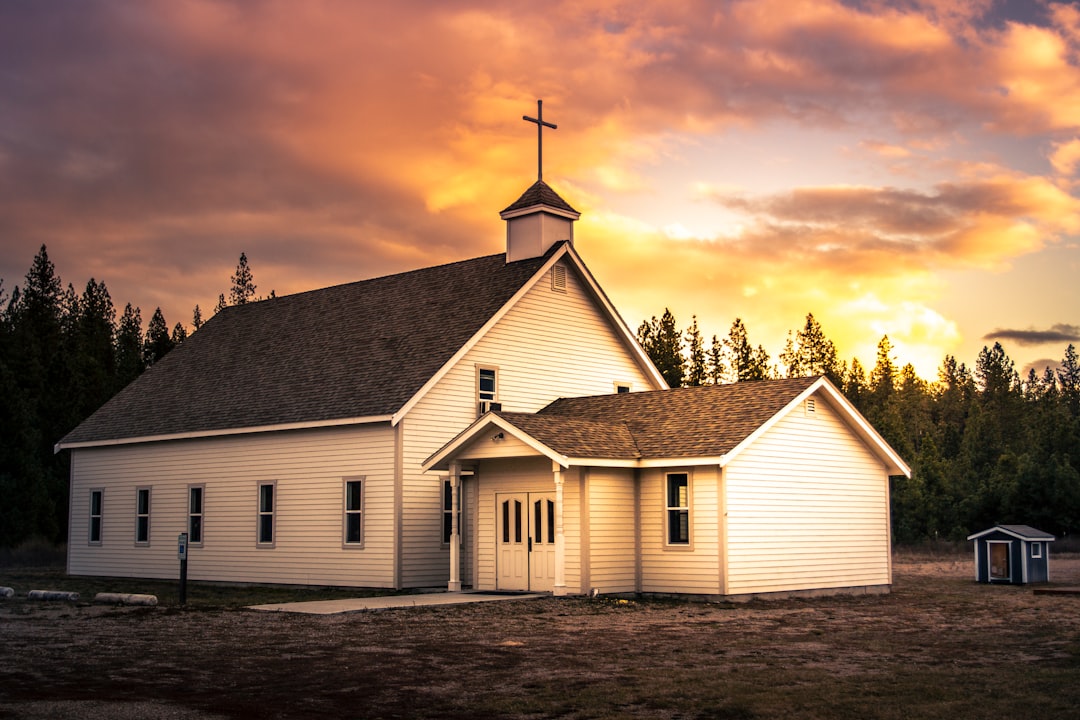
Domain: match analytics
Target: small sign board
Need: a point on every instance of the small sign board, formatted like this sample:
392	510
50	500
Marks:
181	546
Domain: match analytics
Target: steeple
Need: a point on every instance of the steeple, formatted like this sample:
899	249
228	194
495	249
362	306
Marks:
539	218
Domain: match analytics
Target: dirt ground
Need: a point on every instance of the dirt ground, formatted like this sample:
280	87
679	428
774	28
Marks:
938	646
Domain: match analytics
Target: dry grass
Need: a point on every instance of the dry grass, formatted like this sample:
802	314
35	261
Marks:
939	646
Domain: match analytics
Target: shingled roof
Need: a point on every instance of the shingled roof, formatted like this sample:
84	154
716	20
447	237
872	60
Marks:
539	193
351	351
706	421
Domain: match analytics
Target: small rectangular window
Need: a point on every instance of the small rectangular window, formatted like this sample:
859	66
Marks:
447	512
266	514
622	387
354	512
96	501
195	514
142	516
1036	550
678	509
487	389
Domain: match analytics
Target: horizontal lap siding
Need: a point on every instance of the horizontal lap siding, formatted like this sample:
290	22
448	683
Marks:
308	468
807	508
693	569
549	345
611	530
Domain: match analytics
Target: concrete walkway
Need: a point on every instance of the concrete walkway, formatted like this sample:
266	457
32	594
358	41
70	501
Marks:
331	607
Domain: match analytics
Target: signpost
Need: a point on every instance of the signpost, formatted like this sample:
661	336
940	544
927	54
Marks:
181	552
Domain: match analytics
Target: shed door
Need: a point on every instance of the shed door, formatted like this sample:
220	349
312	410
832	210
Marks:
525	553
999	561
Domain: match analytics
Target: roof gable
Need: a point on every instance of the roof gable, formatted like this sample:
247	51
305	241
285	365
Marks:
351	352
709	423
1021	532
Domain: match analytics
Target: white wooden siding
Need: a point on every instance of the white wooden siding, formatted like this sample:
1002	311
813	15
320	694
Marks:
693	568
807	507
549	345
525	475
611	544
308	468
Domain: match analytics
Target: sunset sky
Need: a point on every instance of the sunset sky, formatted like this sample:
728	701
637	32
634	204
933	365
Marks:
901	168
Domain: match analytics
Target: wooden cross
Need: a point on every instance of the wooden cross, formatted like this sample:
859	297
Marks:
540	125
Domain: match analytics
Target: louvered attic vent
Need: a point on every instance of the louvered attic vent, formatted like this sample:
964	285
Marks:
558	278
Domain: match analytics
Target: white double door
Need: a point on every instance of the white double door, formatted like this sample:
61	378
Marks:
525	541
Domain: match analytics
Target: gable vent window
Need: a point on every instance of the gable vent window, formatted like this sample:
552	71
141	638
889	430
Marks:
811	406
558	278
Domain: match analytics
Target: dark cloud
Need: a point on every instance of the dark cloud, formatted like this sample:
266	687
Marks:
1059	333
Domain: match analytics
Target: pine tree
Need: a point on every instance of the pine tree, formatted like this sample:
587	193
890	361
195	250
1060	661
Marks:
1069	378
716	366
243	284
221	304
196	317
95	359
697	372
745	361
129	347
662	342
157	342
179	334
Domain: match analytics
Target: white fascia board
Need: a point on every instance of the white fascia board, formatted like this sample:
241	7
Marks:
533	209
1018	536
485	424
617	322
196	434
464	349
863	428
854	419
681	462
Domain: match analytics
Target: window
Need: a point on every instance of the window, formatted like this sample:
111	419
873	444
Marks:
1036	550
486	389
96	498
266	514
142	516
195	514
354	512
622	387
678	509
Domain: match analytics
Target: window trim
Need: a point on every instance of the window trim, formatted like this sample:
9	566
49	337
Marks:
260	514
141	516
687	510
100	492
201	515
623	387
1036	550
346	512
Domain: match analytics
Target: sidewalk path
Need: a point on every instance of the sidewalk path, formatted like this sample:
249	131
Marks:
330	607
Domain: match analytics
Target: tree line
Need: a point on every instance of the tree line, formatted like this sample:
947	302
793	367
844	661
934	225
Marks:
62	355
985	445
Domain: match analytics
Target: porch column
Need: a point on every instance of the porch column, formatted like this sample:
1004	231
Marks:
455	532
560	539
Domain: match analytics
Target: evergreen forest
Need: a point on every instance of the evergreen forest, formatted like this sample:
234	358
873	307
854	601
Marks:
985	445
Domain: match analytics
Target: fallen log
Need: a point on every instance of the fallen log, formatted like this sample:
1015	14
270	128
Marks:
125	599
51	595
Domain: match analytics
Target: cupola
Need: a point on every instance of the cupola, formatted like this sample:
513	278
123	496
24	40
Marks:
536	221
539	218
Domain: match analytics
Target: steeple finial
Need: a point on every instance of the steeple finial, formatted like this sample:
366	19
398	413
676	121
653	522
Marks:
540	125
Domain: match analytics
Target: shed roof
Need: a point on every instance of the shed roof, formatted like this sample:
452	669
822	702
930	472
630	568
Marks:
359	350
1022	532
